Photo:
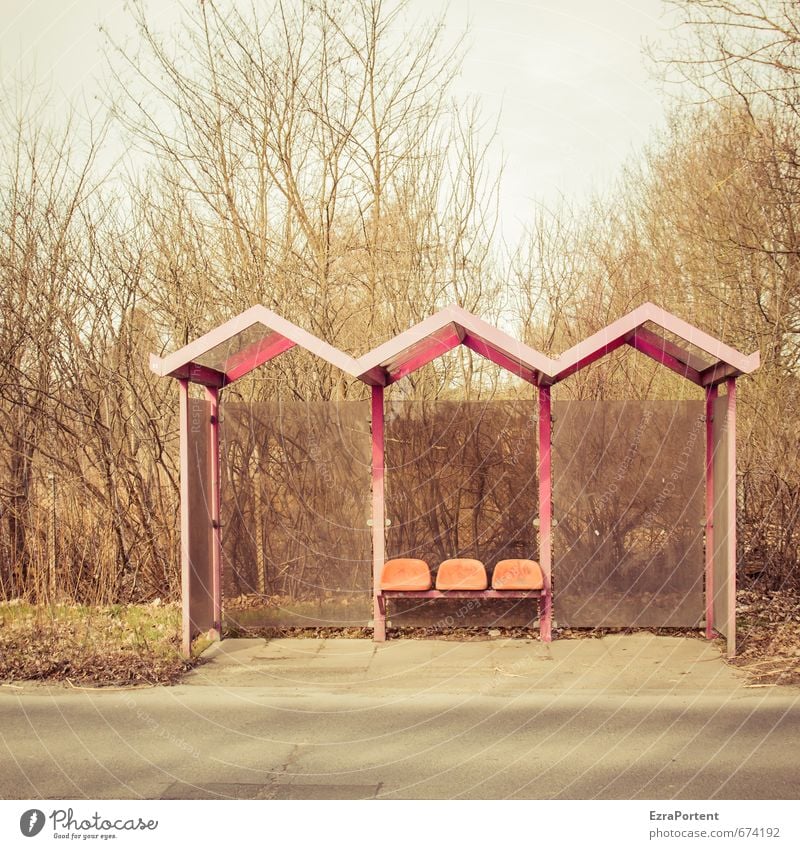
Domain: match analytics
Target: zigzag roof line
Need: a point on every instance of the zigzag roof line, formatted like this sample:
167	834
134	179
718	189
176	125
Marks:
258	335
235	348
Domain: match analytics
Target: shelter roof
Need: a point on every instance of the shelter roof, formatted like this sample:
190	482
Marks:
240	345
251	339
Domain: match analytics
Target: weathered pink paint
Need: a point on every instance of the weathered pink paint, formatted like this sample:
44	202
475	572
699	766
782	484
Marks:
195	373
422	354
718	373
647	346
279	336
648	312
499	358
245	361
183	418
212	396
590	357
682	355
545	506
175	364
711	394
731	491
430	338
422	343
388	352
378	515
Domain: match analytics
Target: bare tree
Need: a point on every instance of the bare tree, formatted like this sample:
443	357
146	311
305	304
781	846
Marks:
747	49
309	155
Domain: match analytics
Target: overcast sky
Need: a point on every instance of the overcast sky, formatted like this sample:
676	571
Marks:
568	75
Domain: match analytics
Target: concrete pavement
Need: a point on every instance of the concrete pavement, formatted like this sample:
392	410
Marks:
635	716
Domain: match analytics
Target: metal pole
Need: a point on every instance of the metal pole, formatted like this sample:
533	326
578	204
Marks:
186	627
711	395
730	507
378	513
545	510
212	396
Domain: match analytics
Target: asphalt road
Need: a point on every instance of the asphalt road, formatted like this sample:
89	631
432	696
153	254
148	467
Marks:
625	718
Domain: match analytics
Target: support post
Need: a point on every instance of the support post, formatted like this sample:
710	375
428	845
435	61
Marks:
730	552
212	396
378	518
545	513
711	395
186	627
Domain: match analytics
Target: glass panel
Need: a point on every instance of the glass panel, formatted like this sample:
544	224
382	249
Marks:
628	497
295	503
461	482
217	358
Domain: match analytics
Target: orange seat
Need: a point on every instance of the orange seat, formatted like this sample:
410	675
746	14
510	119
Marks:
517	575
461	574
406	574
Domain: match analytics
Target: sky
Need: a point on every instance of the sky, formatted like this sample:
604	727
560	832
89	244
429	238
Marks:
575	93
567	78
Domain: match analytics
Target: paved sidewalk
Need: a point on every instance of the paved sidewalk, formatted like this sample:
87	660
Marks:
620	717
629	664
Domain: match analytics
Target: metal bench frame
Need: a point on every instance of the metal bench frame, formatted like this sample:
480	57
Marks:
544	596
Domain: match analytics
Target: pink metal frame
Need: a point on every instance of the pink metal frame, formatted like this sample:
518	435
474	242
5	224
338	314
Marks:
711	394
255	355
544	597
729	555
186	518
545	506
627	330
378	515
181	363
212	395
731	507
420	345
452	326
653	345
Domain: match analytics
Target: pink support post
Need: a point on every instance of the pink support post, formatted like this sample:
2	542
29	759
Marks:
212	396
378	520
545	513
731	509
711	394
186	628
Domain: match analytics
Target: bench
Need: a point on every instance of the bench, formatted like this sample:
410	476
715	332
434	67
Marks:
464	578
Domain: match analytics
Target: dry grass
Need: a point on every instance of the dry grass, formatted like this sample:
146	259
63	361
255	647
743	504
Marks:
91	646
768	636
